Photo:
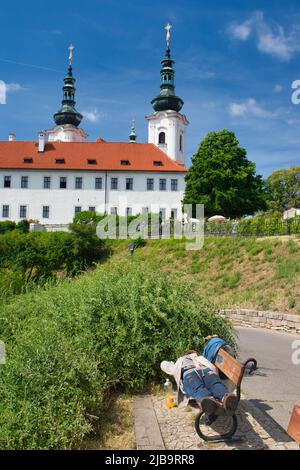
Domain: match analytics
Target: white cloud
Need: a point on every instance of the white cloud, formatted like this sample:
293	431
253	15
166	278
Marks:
276	44
13	87
248	107
272	40
240	31
92	115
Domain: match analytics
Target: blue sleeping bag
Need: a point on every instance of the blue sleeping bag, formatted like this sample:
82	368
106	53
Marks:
211	349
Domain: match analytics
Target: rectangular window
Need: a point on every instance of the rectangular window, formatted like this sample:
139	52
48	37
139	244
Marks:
7	181
162	184
174	185
114	211
63	183
24	181
173	213
77	209
5	211
114	183
47	182
128	211
145	210
78	182
129	184
28	160
60	161
98	183
92	208
23	212
162	213
150	184
46	212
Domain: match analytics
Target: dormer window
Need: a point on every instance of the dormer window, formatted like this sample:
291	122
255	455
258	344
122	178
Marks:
60	161
92	162
28	160
125	162
157	163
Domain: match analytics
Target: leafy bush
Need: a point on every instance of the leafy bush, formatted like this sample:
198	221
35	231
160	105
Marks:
42	254
23	226
87	217
69	346
140	242
7	226
266	224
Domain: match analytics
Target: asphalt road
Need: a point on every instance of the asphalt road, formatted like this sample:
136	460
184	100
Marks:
275	386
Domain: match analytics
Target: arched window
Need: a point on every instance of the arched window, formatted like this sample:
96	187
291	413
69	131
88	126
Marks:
180	142
161	138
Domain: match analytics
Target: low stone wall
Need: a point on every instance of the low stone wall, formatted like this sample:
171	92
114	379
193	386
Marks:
256	319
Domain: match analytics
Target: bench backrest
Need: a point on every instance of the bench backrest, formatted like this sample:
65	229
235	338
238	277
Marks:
232	368
294	426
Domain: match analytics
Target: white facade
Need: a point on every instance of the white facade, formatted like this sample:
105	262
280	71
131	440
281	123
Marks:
166	130
66	133
59	204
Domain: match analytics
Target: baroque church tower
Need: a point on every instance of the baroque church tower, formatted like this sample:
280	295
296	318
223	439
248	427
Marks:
67	119
167	126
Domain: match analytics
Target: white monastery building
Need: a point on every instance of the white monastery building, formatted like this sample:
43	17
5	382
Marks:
60	174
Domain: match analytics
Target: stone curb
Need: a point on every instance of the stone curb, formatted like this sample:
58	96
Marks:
259	319
147	431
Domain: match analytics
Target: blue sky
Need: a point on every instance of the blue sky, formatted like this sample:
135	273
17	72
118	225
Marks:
235	63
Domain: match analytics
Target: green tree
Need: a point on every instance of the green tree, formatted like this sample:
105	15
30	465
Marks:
284	189
223	179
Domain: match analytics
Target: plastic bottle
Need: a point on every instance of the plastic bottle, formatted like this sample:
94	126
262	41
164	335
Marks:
170	403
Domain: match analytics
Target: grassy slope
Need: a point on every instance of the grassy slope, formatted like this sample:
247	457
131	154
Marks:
249	273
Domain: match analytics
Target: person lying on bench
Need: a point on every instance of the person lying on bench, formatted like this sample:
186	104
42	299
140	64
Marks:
197	379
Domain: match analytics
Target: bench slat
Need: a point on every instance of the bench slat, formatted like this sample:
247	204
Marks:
232	368
294	425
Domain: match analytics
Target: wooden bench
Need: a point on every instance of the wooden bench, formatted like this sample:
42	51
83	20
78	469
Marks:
294	425
234	371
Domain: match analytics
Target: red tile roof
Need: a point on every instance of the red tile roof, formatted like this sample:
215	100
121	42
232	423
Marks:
108	156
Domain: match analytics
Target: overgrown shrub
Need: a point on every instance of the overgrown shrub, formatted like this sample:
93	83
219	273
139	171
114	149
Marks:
70	345
7	226
268	225
42	254
265	224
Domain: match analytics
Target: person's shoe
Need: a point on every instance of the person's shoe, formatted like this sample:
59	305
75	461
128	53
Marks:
210	405
230	402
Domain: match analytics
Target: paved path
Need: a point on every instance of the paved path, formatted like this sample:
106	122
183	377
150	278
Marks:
256	431
275	387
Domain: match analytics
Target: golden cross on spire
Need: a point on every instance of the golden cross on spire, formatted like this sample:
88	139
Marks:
71	47
168	36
